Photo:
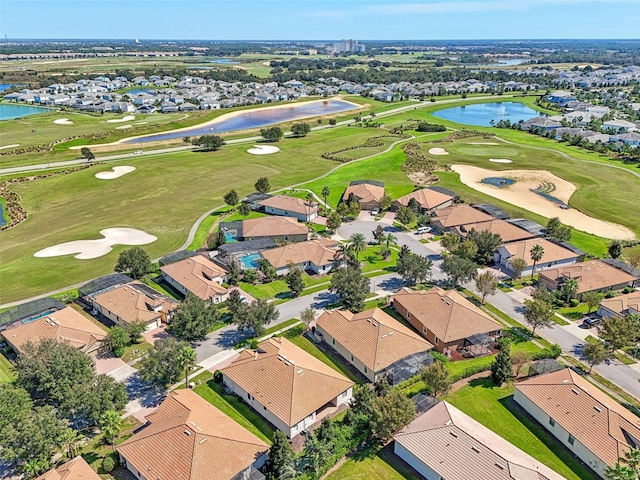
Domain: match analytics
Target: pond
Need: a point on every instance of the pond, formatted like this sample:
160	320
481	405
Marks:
256	118
481	114
499	182
8	112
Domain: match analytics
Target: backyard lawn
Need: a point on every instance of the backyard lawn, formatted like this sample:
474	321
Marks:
373	464
494	408
7	372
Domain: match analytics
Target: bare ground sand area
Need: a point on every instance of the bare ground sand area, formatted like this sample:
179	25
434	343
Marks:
438	151
482	143
13	145
520	194
63	121
263	150
123	127
128	118
116	172
500	160
88	249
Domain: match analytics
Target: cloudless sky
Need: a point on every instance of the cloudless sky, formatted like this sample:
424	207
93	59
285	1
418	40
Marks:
320	19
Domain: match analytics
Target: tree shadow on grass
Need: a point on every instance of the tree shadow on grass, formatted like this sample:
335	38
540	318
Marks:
484	382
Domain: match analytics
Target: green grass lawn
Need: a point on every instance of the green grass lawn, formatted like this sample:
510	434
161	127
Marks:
372	463
7	372
574	313
139	348
494	408
233	407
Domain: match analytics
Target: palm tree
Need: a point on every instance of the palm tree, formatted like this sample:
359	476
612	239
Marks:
110	423
620	472
325	194
309	199
570	288
187	361
632	458
537	252
357	244
35	466
69	440
387	239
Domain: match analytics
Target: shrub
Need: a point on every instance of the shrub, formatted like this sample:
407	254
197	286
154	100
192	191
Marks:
118	352
610	294
254	344
629	290
108	463
217	376
574	302
439	356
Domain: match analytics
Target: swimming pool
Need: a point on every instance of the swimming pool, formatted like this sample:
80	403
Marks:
250	260
229	237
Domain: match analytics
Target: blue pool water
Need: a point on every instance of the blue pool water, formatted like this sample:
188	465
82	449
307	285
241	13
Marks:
8	112
139	90
256	118
229	237
251	260
481	114
499	182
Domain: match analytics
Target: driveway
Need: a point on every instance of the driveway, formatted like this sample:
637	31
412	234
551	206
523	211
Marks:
160	333
108	363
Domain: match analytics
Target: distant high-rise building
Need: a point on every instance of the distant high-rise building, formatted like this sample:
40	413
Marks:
348	46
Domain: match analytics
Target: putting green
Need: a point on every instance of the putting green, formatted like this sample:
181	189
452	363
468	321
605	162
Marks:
486	151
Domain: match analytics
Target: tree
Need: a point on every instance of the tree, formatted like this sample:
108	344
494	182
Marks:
194	318
450	241
307	316
592	299
378	233
595	353
634	259
267	270
256	316
557	230
294	280
325	193
111	424
244	209
615	249
390	413
501	368
436	378
87	153
414	268
14	404
209	142
351	286
405	216
162	365
517	266
281	456
334	221
332	122
300	129
188	361
135	329
466	249
518	359
357	244
134	261
487	242
627	467
487	284
536	253
387	240
118	338
414	206
272	134
569	288
231	198
233	278
262	185
458	269
385	202
538	313
619	332
236	305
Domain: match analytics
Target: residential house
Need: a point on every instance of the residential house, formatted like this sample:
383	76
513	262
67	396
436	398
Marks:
620	126
187	438
632	139
197	275
286	206
620	305
561	97
541	123
592	425
448	320
444	442
429	199
132	302
554	254
75	469
315	256
507	231
286	385
63	326
592	276
367	193
375	343
278	229
447	219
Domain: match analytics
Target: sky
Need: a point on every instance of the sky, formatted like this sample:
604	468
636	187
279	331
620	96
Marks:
320	19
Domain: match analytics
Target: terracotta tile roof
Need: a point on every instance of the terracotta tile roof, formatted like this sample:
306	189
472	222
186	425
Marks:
198	275
507	231
290	204
373	337
272	227
459	215
131	302
75	469
622	303
596	421
291	383
426	198
65	325
365	192
552	251
446	313
319	252
591	275
189	439
457	447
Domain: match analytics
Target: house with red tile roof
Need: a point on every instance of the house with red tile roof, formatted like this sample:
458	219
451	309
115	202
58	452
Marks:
198	276
75	469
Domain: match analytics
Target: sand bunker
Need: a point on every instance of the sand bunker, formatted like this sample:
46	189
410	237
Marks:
141	123
116	173
88	249
438	151
123	127
500	160
13	145
519	194
63	121
482	143
128	118
263	150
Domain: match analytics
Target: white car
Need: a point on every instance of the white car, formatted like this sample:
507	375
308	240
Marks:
138	152
375	212
423	230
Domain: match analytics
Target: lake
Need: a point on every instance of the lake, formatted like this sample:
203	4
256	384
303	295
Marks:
256	118
8	112
481	114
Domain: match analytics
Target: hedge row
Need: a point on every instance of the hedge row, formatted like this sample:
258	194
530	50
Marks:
370	142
